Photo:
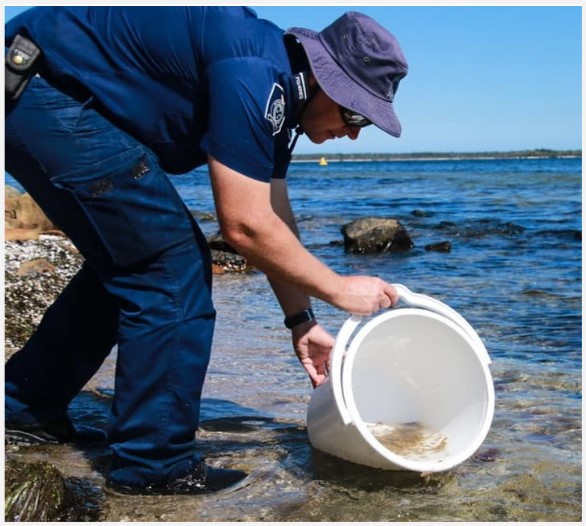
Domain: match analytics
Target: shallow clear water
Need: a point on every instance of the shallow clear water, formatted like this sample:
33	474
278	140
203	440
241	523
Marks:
514	272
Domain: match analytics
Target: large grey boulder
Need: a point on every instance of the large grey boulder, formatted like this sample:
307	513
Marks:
370	235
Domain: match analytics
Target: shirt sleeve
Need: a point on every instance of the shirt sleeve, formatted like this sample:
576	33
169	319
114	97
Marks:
246	117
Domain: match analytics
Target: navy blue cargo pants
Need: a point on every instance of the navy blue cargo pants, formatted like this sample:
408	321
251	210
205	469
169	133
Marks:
145	285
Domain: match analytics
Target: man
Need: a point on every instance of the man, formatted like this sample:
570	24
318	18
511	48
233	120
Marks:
102	103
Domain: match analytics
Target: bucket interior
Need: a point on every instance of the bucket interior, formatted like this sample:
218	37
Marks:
418	387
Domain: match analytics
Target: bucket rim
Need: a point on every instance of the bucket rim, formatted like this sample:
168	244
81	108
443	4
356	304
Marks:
360	424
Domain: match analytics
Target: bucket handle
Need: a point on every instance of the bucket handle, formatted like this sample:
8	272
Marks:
349	326
337	358
426	302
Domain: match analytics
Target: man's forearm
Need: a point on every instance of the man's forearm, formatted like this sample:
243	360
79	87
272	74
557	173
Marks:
289	297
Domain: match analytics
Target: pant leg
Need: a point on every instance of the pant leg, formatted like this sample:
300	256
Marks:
74	337
109	195
165	341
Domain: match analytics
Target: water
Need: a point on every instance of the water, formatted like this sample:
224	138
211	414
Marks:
514	272
515	228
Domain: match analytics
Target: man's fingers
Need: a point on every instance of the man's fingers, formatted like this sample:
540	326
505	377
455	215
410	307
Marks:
391	294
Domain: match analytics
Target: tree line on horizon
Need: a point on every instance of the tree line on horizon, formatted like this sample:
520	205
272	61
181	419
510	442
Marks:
537	152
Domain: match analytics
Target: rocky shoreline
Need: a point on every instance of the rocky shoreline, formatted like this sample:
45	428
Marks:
36	271
40	260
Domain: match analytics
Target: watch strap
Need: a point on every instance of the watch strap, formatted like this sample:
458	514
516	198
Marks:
299	318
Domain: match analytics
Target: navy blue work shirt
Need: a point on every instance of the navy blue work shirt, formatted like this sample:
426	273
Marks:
185	81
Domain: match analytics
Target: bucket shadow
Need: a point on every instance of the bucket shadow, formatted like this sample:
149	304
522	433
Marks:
339	472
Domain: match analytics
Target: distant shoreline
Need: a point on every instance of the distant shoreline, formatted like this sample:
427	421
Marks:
438	156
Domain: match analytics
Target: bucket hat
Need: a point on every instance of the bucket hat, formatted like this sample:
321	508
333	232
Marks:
358	64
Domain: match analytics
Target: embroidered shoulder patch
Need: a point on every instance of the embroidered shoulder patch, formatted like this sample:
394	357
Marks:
275	109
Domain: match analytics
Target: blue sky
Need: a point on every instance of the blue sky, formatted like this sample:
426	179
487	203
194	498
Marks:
481	78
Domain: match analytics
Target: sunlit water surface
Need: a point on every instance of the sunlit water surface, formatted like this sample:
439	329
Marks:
514	272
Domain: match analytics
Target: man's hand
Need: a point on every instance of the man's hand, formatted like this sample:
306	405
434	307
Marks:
364	295
313	345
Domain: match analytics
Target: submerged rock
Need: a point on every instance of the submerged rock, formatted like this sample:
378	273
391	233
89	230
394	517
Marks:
370	235
443	246
479	228
420	213
35	491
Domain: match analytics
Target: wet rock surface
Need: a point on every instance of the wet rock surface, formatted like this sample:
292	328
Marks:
443	246
36	491
370	235
479	228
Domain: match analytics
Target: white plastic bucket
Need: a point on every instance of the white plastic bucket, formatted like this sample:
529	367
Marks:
411	391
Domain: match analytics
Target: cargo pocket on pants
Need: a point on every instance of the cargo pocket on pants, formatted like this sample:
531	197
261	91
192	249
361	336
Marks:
132	205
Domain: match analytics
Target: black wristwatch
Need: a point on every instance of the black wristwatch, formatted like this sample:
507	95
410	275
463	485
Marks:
299	318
